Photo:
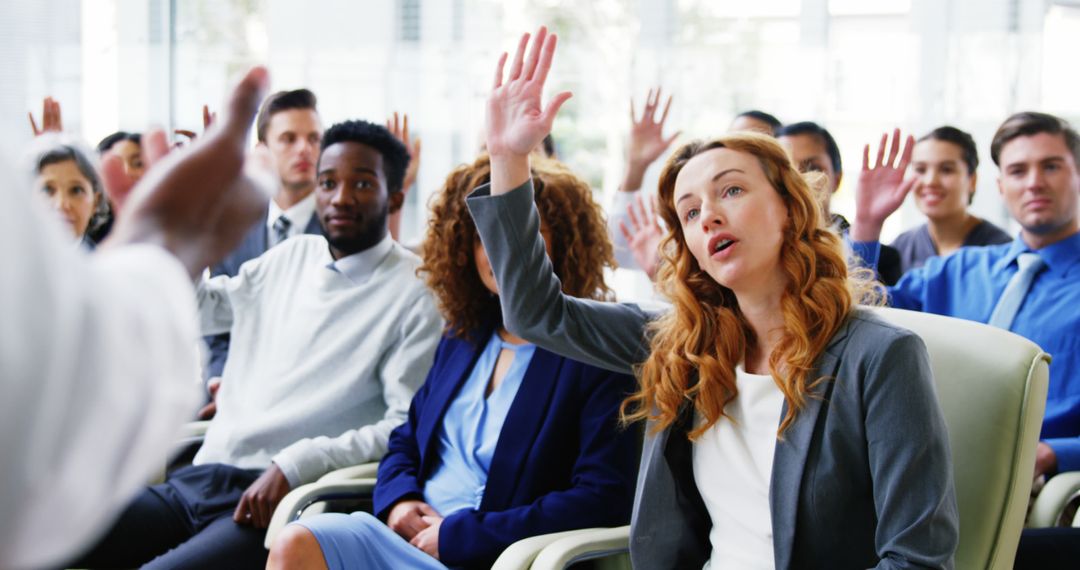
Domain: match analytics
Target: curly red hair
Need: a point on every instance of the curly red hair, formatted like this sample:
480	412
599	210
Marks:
580	247
706	335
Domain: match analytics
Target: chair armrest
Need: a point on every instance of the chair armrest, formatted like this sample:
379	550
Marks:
193	430
521	554
1051	502
293	505
533	552
362	471
583	545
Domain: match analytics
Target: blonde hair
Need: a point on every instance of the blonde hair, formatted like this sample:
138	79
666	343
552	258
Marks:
706	335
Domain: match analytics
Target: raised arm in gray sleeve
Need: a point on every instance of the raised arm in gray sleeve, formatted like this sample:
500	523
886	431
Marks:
608	335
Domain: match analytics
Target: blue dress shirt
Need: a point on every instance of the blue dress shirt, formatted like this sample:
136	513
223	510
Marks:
968	284
471	427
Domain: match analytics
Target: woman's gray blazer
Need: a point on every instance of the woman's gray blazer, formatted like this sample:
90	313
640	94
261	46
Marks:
861	479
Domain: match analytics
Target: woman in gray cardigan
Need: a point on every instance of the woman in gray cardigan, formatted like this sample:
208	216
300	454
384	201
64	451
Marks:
787	427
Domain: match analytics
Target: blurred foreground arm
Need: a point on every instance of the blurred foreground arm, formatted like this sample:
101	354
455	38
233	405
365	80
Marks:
98	364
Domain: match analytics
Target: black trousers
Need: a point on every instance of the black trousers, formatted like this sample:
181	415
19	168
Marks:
1048	549
185	522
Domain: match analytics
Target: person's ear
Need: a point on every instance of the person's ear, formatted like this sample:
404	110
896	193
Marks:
974	186
396	201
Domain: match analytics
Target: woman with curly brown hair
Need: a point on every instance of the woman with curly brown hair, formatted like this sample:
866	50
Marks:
505	440
787	427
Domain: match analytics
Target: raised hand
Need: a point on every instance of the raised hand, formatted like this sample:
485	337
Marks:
196	202
647	141
882	187
208	118
644	234
516	120
400	129
50	118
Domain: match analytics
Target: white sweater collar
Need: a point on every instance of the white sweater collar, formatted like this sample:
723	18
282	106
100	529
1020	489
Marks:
360	266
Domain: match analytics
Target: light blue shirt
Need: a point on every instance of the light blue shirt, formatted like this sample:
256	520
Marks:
968	284
470	430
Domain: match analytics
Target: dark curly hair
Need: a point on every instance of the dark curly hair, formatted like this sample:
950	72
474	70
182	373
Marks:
395	156
580	249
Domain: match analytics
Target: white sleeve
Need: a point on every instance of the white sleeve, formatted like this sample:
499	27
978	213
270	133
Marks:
404	367
98	371
215	305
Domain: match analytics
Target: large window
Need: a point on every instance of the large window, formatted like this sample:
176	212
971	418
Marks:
857	66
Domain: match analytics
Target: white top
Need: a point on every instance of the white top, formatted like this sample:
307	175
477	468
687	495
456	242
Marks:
98	372
325	356
732	468
299	215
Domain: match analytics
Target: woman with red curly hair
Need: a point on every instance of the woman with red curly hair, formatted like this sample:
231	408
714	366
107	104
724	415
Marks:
505	440
788	428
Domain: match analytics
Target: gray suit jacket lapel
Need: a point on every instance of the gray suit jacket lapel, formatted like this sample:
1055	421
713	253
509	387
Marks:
789	459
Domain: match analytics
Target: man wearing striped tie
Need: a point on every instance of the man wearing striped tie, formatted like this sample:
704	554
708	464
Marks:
1030	286
288	126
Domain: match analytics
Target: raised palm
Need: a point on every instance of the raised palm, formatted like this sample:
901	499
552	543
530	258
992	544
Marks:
647	140
51	121
399	127
644	234
882	187
516	120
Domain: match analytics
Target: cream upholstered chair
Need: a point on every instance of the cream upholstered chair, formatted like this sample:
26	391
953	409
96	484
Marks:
356	482
992	388
1050	506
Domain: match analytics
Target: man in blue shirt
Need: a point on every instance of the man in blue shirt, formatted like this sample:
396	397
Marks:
1038	156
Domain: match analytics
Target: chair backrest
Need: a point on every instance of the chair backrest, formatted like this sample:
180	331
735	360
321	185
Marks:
992	387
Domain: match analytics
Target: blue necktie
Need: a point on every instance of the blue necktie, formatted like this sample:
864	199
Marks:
1030	264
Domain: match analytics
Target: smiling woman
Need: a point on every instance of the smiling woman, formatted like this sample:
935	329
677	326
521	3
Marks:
765	388
943	165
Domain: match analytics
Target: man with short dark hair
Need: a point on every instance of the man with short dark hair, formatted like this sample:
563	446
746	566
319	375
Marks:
288	126
331	337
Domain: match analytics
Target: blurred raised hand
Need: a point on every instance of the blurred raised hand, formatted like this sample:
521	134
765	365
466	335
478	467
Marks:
399	127
208	118
51	121
195	202
647	140
644	233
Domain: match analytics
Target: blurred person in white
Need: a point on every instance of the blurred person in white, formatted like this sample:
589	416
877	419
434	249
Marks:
98	378
331	337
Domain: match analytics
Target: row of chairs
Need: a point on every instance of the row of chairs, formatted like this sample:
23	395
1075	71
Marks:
992	387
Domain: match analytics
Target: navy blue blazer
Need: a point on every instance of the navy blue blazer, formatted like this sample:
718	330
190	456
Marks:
254	244
562	461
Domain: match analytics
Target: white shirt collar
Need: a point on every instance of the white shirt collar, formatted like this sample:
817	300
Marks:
299	214
360	266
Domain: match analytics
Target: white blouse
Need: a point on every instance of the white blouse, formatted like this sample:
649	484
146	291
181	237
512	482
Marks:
732	468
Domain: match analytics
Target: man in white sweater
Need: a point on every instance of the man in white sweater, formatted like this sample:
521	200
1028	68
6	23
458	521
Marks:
331	337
